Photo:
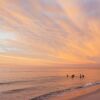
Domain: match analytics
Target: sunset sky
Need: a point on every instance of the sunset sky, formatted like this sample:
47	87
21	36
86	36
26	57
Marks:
49	32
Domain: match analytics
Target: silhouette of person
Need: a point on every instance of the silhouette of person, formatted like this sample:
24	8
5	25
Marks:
73	76
82	76
67	75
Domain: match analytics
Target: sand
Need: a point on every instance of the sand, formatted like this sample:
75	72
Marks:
90	93
90	96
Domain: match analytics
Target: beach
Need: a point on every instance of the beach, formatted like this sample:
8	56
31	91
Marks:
90	96
49	49
88	93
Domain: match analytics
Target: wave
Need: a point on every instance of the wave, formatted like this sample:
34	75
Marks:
39	82
55	93
41	79
19	90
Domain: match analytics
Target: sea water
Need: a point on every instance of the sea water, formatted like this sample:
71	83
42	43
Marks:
27	83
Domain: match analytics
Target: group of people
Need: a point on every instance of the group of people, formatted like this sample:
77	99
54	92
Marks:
73	76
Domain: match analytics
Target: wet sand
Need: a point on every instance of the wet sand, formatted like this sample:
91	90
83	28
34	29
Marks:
89	93
90	96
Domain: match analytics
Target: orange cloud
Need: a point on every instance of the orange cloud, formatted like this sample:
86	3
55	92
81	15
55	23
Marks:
48	33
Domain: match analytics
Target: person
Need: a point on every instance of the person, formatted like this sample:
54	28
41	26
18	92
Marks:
73	76
82	76
67	75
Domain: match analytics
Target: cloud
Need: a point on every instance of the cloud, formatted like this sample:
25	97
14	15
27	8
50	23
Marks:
90	8
50	31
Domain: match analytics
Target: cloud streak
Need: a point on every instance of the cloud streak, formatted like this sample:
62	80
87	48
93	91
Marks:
49	32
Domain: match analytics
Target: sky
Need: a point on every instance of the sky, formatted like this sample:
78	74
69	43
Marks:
49	32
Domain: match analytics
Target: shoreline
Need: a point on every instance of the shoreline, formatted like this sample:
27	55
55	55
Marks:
72	93
90	96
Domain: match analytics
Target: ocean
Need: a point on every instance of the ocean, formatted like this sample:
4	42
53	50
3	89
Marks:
33	83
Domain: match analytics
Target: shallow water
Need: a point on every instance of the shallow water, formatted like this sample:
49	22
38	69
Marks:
28	83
